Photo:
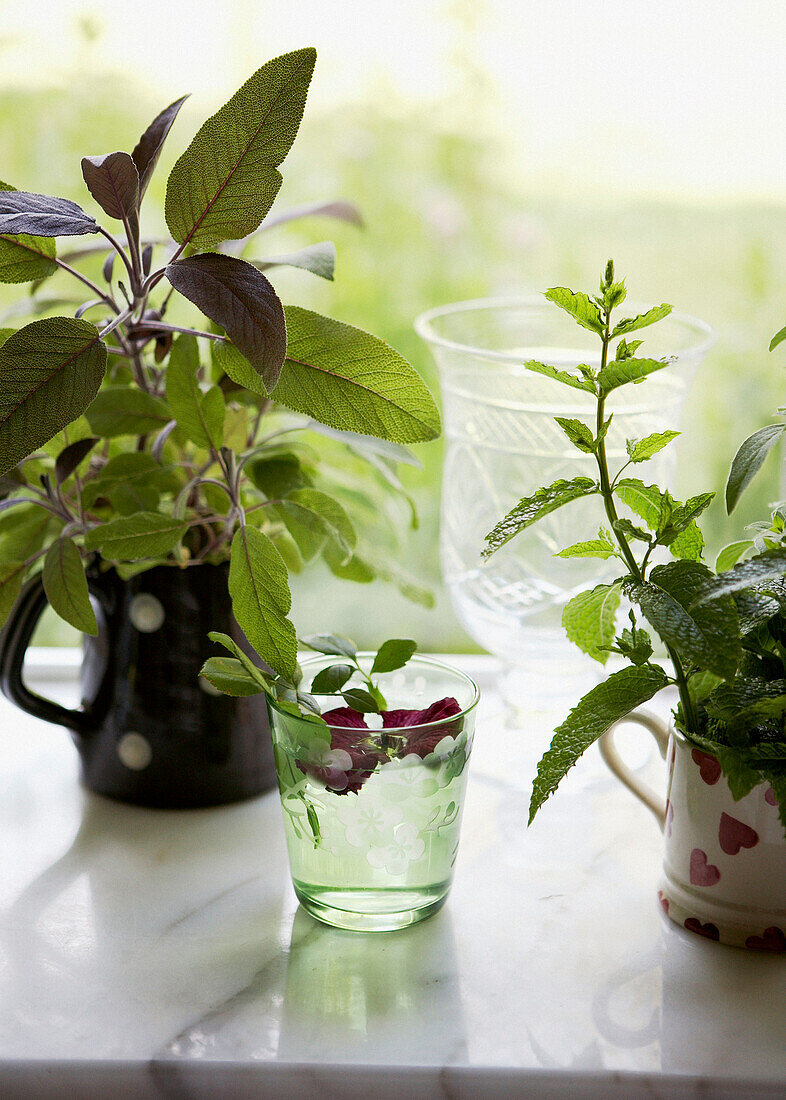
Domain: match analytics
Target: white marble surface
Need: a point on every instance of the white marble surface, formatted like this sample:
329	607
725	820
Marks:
153	954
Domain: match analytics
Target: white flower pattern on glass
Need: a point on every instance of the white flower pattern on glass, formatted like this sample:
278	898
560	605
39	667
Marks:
406	847
369	824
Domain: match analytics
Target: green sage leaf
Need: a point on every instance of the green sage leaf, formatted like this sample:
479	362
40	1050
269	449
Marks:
362	700
126	410
65	585
748	460
50	371
314	517
261	599
200	415
224	184
12	573
143	535
319	259
350	380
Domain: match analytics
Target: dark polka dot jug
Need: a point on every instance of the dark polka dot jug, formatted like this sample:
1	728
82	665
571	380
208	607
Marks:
149	730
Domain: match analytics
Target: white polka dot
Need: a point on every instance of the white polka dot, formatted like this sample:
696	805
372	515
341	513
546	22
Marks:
208	688
134	751
146	613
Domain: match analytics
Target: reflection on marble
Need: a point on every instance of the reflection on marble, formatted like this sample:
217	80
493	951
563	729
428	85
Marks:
163	954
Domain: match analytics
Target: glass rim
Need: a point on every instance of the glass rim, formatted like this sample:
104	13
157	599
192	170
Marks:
424	327
420	658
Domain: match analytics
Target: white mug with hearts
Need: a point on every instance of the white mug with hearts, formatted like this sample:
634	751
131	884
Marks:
724	868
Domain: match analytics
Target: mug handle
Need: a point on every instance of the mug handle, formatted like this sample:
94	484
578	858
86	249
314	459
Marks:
14	640
613	760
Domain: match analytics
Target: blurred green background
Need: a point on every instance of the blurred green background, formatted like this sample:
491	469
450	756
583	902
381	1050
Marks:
459	203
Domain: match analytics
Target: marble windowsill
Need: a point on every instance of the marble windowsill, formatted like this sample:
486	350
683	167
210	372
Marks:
150	954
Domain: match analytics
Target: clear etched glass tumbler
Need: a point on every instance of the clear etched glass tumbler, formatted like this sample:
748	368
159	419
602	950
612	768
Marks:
503	443
371	812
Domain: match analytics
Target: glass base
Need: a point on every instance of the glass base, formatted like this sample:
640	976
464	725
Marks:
365	910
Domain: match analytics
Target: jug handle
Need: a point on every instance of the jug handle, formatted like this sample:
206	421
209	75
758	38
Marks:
14	641
613	760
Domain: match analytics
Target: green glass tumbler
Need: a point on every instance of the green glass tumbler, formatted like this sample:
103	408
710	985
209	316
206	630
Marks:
372	811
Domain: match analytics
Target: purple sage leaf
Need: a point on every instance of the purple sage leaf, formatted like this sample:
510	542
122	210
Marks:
148	148
239	298
113	182
43	215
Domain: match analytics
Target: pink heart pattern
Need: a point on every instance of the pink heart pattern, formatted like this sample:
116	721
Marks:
702	873
709	768
769	796
664	902
709	930
734	834
772	939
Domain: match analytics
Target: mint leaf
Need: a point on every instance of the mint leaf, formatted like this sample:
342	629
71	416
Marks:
708	637
65	585
578	433
579	306
771	565
640	450
600	708
620	372
563	376
601	547
656	509
228	675
630	324
530	509
749	459
393	654
589	620
635	645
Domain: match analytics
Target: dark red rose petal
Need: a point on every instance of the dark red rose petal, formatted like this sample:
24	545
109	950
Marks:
443	708
422	742
345	717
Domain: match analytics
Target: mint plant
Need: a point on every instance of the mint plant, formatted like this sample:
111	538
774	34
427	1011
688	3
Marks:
724	632
124	443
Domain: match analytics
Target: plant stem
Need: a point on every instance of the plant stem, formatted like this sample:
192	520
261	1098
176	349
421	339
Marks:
637	571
